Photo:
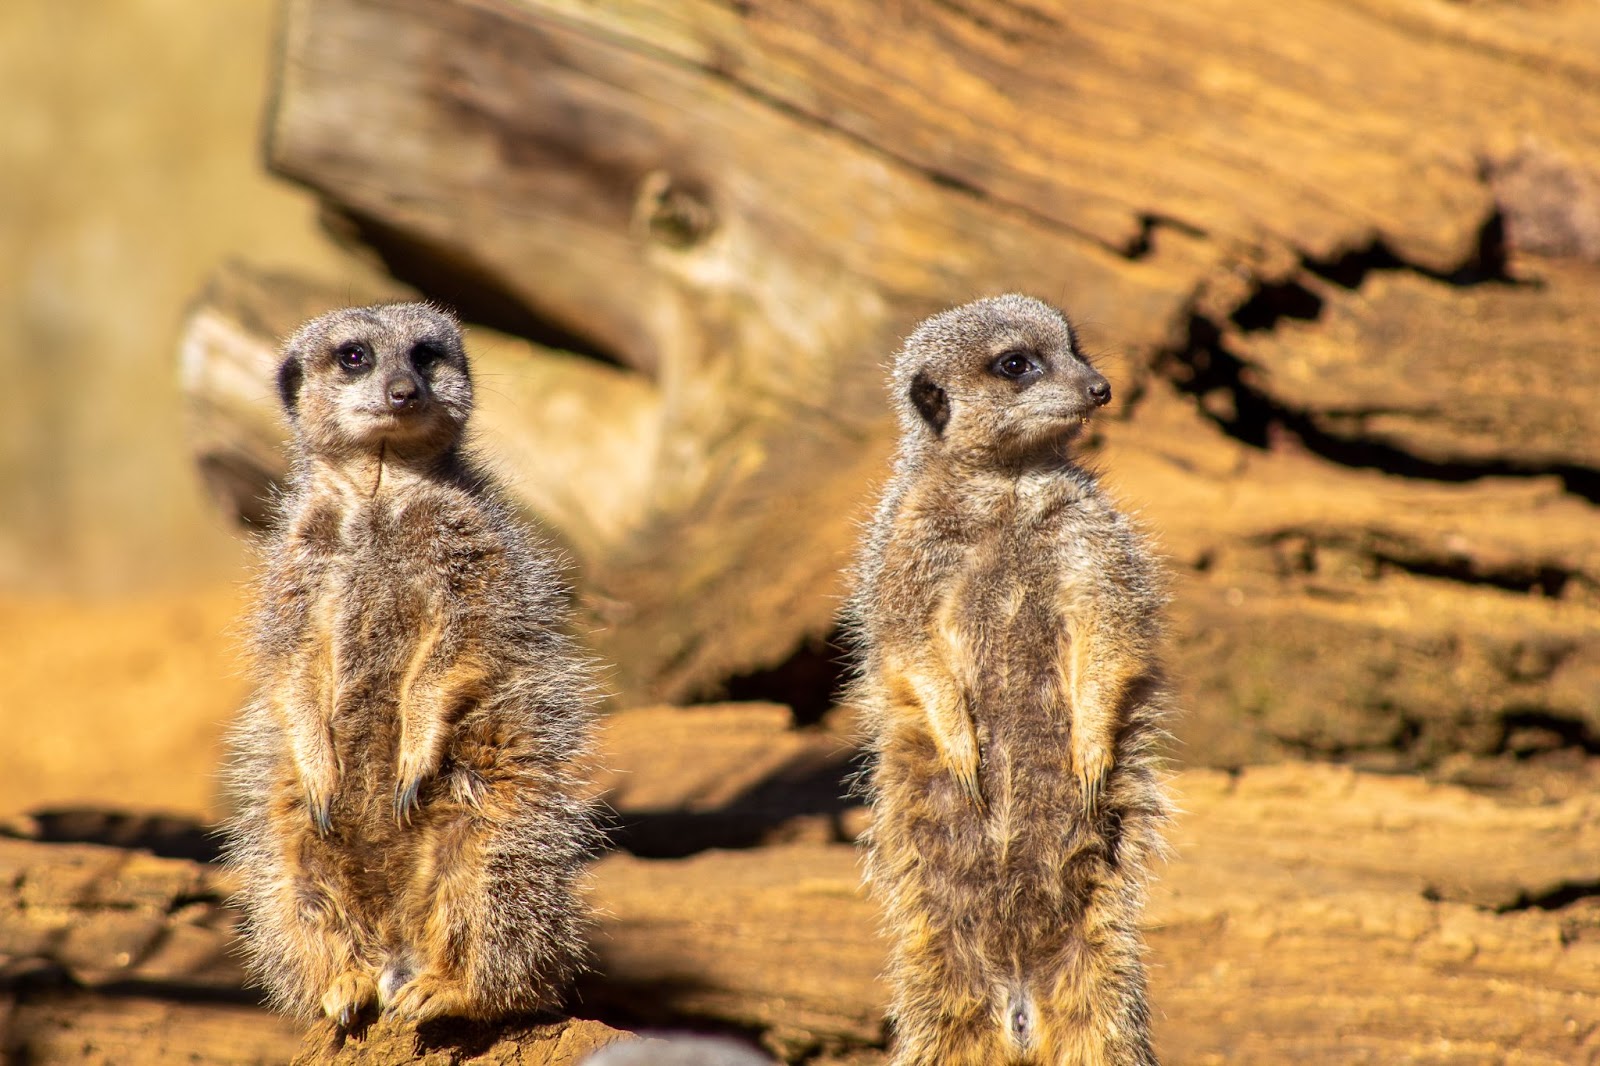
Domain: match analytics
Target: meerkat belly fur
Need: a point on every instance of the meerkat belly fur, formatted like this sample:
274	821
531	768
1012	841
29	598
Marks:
409	831
1009	622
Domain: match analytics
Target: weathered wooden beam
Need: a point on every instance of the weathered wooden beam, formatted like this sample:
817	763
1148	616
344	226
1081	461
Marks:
756	265
1400	916
1459	609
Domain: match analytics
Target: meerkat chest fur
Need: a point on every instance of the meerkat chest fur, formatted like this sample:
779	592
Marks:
1000	581
387	584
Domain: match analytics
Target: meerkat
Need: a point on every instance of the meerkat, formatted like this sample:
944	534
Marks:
410	833
1009	620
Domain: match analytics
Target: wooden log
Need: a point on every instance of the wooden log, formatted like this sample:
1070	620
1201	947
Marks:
1400	916
749	205
1333	611
566	1042
1493	376
108	916
1404	918
1461	611
682	780
62	1027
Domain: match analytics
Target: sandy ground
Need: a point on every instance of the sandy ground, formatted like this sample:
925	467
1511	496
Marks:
119	704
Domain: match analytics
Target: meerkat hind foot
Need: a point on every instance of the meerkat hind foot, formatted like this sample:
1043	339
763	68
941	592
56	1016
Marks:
427	996
350	994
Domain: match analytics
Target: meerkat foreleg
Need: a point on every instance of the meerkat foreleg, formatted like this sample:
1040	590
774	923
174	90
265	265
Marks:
305	707
435	692
944	704
1100	666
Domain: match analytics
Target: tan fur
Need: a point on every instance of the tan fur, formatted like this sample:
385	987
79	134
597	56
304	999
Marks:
410	831
1009	621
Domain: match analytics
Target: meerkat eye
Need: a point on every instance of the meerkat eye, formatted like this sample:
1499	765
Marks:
1014	365
353	356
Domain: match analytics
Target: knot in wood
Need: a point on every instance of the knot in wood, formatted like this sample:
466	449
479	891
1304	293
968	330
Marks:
668	211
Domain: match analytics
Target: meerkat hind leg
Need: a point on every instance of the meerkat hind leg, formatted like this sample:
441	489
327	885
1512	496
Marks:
428	996
445	903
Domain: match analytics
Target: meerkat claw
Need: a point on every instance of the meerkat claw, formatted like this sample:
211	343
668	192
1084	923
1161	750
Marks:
1090	767
967	778
405	799
425	998
348	996
320	809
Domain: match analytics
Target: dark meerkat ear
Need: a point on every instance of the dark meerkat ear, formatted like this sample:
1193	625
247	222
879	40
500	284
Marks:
930	401
290	375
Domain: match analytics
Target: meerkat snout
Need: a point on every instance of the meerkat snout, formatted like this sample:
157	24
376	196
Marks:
405	392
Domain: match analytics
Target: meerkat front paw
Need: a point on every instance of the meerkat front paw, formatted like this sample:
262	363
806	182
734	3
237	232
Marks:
425	997
1091	762
351	993
412	771
961	756
319	781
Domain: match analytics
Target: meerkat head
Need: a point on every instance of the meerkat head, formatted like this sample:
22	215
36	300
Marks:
1000	380
362	378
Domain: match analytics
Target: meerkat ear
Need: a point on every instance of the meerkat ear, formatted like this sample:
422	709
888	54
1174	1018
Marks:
930	401
290	375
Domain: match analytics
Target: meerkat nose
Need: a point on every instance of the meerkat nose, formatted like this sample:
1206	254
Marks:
1100	392
403	391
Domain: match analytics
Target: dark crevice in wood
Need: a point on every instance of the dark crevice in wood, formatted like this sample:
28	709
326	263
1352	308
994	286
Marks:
1144	242
1488	265
167	836
449	277
1531	579
810	682
1207	370
1298	549
1554	899
1565	731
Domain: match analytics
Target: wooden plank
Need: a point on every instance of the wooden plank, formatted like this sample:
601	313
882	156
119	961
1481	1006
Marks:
1494	375
1332	611
1309	914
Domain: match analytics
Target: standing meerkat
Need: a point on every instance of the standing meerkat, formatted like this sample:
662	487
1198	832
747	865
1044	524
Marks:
410	831
1009	621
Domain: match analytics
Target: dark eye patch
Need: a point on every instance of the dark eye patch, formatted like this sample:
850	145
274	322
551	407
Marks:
425	356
